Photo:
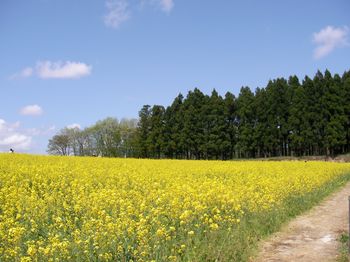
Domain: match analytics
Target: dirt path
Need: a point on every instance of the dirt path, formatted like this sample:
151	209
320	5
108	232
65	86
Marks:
311	236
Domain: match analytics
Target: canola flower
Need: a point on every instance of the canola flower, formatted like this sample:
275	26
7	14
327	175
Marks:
92	209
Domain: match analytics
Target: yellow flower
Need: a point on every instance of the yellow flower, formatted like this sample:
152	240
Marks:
214	226
105	209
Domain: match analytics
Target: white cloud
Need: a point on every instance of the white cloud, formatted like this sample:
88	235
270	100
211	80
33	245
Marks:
10	137
328	39
73	126
31	110
117	13
68	69
48	69
166	5
26	72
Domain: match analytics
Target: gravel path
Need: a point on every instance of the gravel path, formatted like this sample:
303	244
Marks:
311	236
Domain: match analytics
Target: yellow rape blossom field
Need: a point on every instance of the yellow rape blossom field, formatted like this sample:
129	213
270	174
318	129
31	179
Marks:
95	209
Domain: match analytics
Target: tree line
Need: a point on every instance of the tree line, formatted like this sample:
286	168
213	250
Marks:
288	117
108	138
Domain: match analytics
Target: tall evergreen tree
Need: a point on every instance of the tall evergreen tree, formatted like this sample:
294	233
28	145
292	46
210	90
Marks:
231	125
215	127
296	121
143	127
311	126
156	131
193	119
262	133
334	101
346	87
246	118
173	133
278	96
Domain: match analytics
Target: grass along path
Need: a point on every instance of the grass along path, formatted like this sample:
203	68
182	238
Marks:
313	236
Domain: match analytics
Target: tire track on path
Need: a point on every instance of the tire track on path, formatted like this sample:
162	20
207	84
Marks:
312	236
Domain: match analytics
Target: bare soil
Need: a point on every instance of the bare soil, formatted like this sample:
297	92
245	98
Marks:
339	158
312	236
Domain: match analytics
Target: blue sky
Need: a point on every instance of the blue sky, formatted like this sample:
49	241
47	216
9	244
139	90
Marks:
65	62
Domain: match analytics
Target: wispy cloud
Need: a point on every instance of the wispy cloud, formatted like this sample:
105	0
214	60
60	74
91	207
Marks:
73	126
26	72
60	70
328	39
11	137
31	110
40	131
166	5
117	13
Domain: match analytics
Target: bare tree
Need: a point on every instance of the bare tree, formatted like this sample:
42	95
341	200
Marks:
60	144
